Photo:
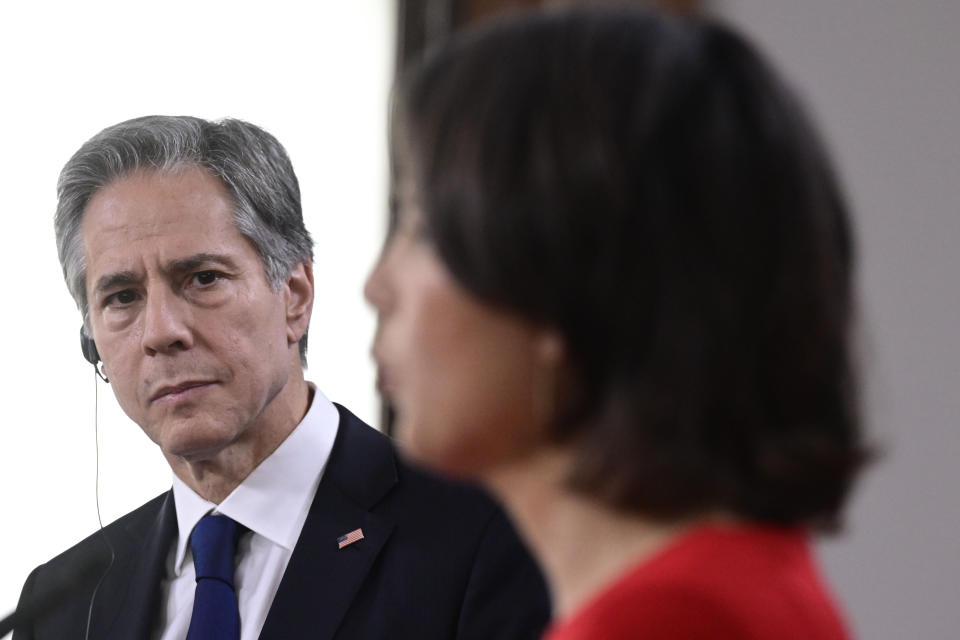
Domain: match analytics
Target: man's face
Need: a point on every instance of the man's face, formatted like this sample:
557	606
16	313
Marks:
196	343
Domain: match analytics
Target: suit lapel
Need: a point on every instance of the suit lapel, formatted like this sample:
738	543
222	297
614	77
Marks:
127	600
321	579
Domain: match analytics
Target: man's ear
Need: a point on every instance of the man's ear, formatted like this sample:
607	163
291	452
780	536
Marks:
298	292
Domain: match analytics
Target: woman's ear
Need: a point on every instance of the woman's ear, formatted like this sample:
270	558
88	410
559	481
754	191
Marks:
548	373
550	348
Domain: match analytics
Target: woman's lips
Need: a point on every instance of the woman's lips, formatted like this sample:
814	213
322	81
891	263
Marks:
385	380
383	383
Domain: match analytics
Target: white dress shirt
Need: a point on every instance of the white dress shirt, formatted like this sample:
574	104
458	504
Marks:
272	502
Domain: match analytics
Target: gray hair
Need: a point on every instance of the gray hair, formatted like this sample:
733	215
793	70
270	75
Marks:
250	162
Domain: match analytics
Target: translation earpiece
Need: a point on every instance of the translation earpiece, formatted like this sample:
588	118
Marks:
89	348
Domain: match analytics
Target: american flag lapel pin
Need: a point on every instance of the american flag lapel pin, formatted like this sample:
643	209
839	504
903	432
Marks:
349	538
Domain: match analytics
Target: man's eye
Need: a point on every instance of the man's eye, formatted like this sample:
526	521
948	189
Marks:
124	297
206	277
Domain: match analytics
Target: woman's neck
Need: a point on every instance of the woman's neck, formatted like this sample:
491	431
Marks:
581	544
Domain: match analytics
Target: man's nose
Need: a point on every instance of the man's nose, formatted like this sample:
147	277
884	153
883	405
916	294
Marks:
166	323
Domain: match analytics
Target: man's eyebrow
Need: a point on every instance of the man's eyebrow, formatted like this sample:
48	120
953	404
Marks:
114	280
190	263
198	260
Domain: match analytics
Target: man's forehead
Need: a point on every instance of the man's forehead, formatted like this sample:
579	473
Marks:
182	180
160	219
159	203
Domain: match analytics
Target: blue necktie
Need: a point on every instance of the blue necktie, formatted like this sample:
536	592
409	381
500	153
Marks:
215	613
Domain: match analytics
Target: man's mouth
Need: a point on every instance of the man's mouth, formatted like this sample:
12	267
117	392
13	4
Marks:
179	391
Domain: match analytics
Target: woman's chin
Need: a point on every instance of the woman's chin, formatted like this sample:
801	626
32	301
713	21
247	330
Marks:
441	456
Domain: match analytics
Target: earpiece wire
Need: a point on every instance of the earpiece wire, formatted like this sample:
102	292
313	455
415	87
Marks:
106	538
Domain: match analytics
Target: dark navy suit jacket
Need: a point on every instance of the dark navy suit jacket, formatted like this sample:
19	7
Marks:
438	561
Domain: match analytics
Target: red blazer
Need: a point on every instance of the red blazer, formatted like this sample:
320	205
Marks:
715	583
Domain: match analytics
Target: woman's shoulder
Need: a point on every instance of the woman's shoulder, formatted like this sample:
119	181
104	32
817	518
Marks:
717	582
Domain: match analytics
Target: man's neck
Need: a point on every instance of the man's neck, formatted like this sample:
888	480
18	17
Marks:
215	477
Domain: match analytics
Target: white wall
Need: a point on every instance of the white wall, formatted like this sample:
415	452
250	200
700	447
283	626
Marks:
316	78
883	77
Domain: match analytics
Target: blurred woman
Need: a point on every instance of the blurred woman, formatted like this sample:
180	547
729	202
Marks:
619	293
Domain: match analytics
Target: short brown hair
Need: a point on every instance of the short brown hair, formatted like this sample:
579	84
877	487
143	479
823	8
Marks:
648	186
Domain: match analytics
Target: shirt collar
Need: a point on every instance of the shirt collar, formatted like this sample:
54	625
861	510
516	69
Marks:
273	501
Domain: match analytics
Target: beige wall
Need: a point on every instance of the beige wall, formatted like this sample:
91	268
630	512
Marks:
883	79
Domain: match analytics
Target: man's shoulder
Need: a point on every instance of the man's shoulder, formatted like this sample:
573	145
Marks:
59	592
416	493
454	564
125	529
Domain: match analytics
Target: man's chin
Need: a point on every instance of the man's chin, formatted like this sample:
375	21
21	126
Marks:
194	445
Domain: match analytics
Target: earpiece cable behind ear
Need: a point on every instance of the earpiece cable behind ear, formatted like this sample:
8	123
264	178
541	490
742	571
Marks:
106	538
